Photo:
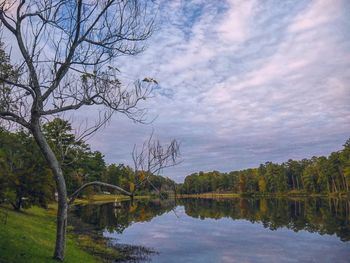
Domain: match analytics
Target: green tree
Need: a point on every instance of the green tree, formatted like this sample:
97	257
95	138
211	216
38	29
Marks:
345	163
26	179
70	151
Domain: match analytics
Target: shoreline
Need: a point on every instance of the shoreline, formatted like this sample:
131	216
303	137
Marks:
102	198
264	195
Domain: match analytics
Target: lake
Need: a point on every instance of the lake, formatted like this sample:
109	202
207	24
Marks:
234	230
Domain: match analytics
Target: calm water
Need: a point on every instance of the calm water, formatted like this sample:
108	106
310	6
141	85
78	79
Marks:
239	230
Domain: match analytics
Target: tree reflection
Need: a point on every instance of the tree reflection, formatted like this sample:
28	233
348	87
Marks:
116	218
324	216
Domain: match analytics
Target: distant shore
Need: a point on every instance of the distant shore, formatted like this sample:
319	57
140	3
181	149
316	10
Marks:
103	198
265	195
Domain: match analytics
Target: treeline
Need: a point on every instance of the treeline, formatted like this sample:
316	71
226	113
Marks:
316	175
25	178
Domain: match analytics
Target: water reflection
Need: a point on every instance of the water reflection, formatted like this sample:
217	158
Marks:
114	218
325	216
207	230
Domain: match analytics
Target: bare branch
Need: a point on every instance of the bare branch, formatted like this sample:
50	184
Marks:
77	192
68	51
152	158
9	82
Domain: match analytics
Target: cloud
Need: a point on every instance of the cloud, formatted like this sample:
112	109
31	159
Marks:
242	82
236	24
317	14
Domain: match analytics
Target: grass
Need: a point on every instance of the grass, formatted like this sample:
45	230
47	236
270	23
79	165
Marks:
29	237
106	199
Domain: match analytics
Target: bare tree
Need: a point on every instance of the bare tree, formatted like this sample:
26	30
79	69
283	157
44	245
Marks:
151	159
67	49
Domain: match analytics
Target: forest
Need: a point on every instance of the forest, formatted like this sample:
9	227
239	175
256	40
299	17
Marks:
20	159
318	175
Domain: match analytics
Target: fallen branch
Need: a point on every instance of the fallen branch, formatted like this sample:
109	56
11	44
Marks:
77	192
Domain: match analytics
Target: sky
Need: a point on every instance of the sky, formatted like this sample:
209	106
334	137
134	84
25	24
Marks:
241	82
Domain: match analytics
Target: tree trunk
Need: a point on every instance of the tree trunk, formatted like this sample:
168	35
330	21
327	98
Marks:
334	185
14	205
175	193
100	184
61	189
296	177
18	203
346	187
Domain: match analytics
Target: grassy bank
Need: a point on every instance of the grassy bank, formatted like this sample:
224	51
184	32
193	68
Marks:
106	199
29	237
